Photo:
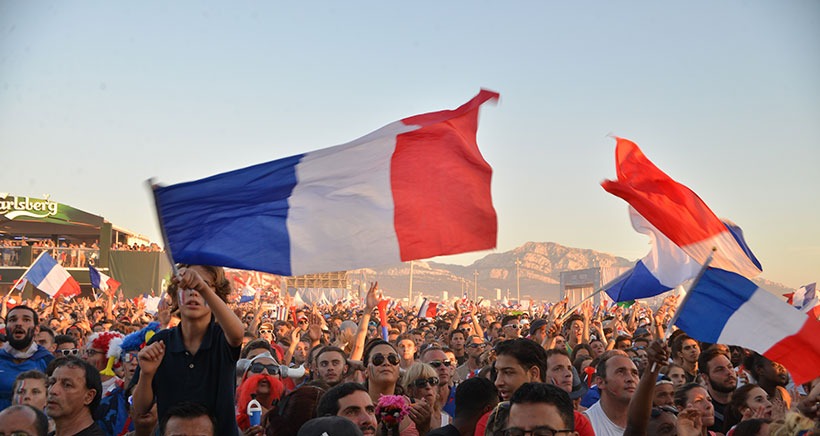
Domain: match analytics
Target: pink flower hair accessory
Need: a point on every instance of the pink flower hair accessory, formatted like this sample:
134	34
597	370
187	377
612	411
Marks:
392	409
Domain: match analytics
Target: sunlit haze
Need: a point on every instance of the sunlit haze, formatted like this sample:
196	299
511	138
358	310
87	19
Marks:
97	97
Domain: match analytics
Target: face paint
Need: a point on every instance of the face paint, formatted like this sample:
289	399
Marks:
20	391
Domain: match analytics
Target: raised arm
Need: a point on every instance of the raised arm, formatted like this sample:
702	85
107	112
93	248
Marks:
370	303
640	407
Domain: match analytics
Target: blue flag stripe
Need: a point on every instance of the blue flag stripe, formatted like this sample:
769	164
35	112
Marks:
712	302
40	270
640	283
242	212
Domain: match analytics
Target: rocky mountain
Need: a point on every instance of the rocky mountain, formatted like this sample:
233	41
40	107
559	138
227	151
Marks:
539	273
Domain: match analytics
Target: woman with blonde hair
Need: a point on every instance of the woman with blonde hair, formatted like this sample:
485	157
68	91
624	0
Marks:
794	424
420	383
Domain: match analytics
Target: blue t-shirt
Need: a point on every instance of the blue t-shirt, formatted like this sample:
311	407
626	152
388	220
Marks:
9	370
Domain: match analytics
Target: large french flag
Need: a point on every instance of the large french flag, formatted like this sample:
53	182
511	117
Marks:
48	276
678	213
414	189
101	281
726	308
665	267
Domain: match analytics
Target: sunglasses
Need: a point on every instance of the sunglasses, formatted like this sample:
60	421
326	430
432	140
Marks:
379	358
71	352
537	431
437	363
423	382
257	368
263	331
515	326
474	345
129	357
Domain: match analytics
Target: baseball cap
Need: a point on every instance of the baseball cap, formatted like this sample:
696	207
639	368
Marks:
537	324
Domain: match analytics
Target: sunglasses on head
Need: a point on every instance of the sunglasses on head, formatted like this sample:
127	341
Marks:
379	358
423	382
71	352
437	363
257	368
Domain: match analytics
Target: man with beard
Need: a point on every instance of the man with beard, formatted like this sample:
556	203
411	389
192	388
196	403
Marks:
20	353
331	365
350	401
715	366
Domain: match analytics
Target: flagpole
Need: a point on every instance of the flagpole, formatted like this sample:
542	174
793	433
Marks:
14	286
674	318
601	289
152	185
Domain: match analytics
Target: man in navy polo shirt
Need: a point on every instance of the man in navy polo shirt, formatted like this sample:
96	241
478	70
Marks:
196	360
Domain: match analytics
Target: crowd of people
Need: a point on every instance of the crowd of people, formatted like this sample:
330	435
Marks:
206	364
68	254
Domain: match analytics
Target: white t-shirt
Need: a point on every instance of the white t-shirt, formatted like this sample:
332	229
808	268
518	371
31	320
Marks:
601	423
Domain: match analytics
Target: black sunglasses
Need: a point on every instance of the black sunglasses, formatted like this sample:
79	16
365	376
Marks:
257	368
379	358
437	363
423	382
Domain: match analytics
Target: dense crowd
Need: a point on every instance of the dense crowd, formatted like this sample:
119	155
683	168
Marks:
206	364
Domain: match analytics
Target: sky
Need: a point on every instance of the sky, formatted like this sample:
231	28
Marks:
97	97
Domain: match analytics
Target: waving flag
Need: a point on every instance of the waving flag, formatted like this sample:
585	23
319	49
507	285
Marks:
678	213
248	294
806	299
665	267
414	189
101	281
48	276
726	308
427	309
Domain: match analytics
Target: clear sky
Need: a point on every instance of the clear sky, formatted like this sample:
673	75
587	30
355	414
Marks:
96	97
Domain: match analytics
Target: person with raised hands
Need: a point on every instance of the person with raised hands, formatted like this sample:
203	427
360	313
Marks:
196	360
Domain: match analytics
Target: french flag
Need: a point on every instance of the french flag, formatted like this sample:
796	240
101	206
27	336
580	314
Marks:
101	281
678	213
427	309
48	276
726	308
414	189
248	294
805	299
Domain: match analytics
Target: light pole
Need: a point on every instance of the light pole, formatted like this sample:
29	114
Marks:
410	295
475	285
518	279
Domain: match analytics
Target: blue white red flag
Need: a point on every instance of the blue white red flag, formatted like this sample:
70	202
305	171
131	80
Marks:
48	276
248	294
665	267
805	296
678	213
414	189
427	309
726	308
101	281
